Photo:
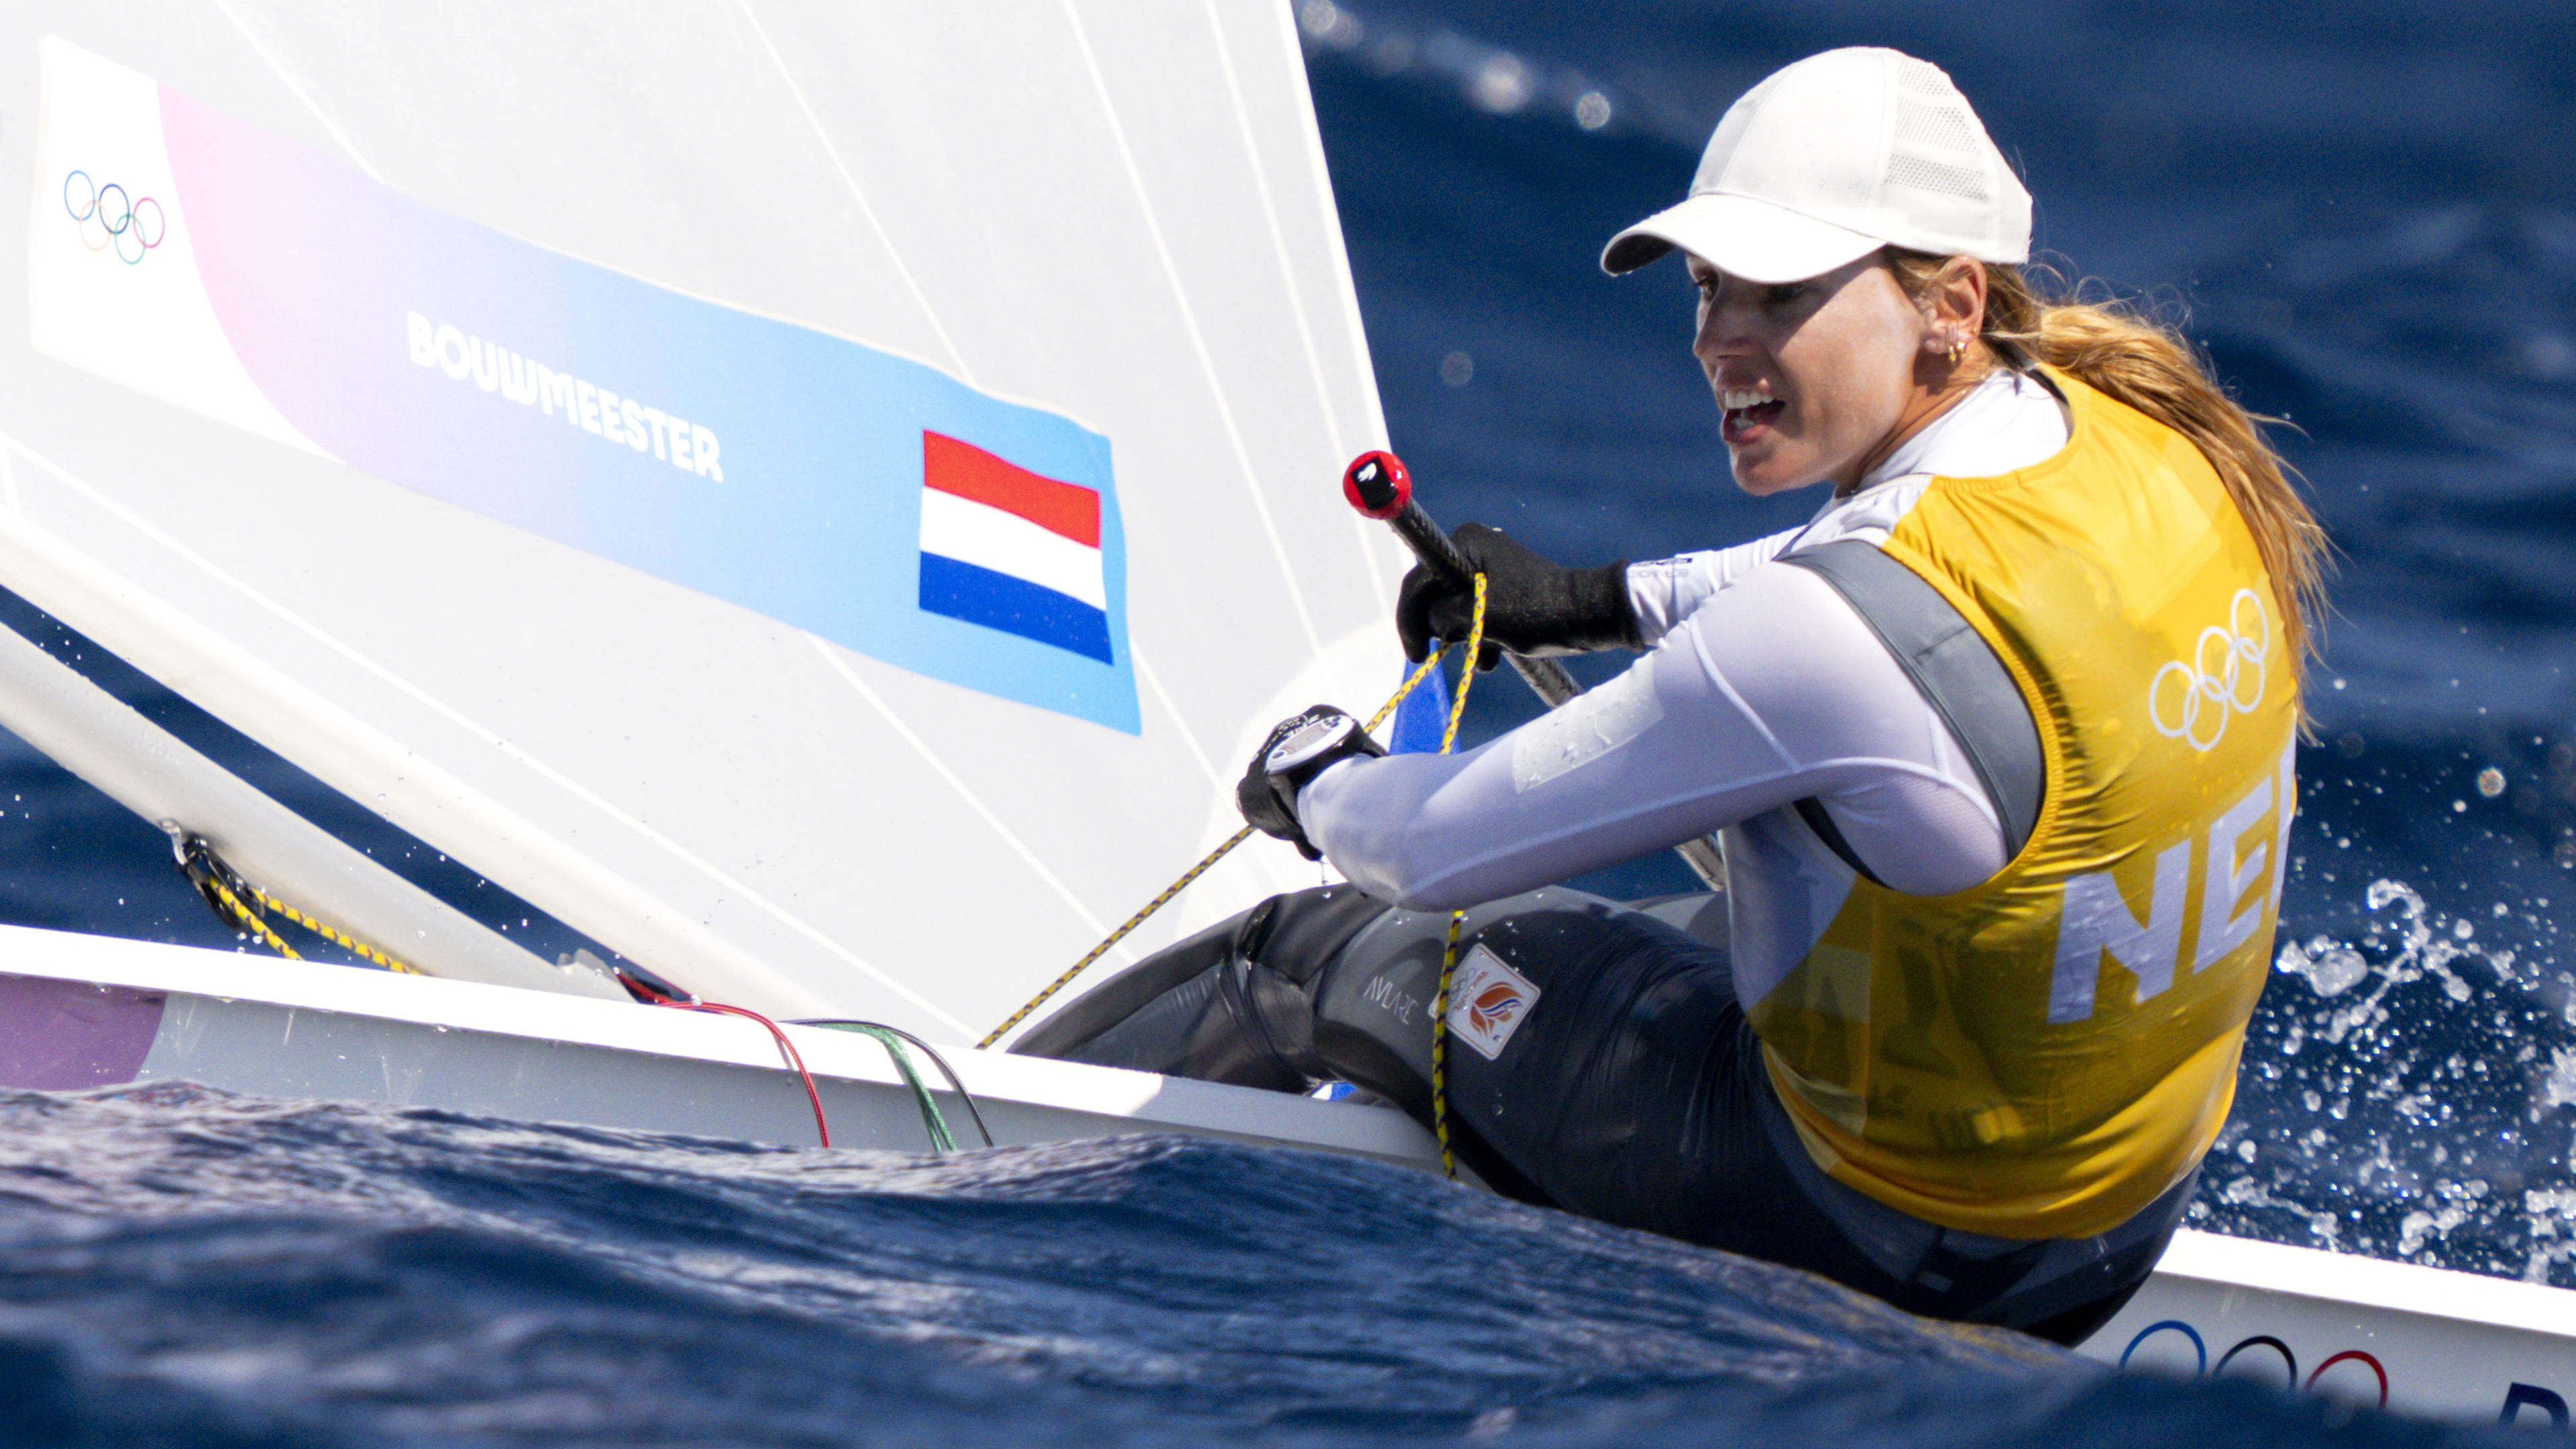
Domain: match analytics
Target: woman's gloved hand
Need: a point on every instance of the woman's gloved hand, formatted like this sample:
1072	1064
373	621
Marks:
1299	749
1532	606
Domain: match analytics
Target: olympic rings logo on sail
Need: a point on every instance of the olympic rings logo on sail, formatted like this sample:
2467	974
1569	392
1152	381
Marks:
121	222
2185	697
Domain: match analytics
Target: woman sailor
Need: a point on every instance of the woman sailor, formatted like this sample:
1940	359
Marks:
2000	746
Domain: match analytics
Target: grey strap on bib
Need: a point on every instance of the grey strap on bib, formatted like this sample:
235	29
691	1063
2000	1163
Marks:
1958	673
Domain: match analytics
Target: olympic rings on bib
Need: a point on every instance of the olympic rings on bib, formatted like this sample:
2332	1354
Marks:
2226	675
130	226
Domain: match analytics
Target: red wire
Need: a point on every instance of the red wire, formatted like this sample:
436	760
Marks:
822	1129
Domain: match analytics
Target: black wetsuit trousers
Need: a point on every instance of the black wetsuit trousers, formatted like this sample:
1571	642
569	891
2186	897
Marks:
1632	1091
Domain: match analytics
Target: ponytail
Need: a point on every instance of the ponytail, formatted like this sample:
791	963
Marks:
2116	350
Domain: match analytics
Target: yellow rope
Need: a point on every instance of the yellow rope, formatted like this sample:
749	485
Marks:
199	858
334	936
1457	919
1467	671
1231	841
1116	936
250	918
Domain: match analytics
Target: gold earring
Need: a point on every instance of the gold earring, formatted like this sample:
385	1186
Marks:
1958	350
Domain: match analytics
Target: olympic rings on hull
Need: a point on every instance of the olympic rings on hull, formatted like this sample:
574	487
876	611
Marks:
2186	696
2266	1344
131	226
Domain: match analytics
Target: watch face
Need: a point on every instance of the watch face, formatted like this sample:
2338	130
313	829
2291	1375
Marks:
1306	742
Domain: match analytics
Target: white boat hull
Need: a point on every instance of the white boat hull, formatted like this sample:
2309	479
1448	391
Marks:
2415	1339
86	1011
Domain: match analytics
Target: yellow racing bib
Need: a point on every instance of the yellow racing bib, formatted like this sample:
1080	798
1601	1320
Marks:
2046	1053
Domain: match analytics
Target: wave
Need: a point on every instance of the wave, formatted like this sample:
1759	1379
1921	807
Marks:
181	1266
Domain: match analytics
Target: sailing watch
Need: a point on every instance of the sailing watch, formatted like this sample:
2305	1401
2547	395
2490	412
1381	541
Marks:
1298	750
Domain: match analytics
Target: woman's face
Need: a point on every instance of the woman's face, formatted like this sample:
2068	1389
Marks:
1812	376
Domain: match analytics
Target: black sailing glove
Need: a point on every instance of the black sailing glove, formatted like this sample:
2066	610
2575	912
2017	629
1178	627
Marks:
1532	606
1296	752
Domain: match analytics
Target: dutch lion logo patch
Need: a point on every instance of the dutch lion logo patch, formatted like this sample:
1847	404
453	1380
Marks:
1488	1001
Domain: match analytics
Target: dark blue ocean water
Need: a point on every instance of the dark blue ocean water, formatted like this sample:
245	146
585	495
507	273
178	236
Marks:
2363	213
179	1267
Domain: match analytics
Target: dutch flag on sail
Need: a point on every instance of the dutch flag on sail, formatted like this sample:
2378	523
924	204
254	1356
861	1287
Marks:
1008	549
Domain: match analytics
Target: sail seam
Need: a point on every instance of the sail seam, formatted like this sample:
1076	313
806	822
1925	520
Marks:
1296	299
884	239
1190	325
299	92
1310	131
973	801
1163	697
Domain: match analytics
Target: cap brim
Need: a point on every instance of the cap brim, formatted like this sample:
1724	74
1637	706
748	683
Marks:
1741	237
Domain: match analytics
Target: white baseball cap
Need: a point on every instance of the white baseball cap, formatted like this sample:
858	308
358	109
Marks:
1832	158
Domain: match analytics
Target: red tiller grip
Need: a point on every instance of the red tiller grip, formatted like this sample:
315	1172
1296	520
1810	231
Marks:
1377	485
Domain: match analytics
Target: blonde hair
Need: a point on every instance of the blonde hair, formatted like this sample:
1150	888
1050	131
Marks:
2126	353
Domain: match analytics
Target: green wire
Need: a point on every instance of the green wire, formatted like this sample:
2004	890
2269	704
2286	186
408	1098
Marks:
931	1121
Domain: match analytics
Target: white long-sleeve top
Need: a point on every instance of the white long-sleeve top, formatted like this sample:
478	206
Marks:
1761	687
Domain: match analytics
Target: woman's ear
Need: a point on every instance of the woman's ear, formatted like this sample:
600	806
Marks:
1953	304
1958	294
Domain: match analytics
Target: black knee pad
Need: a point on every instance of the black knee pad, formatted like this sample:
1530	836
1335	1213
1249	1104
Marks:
1172	1011
1301	933
1119	998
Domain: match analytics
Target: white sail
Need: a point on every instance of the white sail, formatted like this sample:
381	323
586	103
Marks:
690	684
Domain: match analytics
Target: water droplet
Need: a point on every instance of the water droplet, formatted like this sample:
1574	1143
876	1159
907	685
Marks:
2331	967
2491	782
2558	1089
1501	85
1329	24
